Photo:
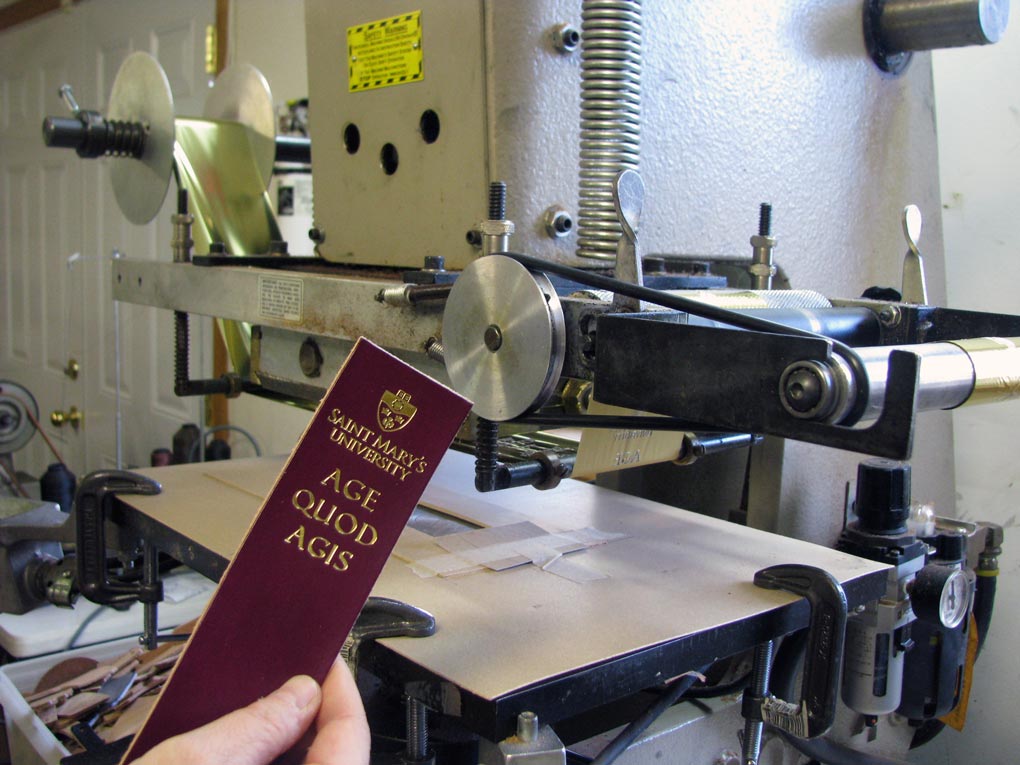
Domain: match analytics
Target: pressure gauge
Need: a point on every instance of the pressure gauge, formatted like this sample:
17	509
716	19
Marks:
941	595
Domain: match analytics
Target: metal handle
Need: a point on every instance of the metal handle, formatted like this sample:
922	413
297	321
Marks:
72	416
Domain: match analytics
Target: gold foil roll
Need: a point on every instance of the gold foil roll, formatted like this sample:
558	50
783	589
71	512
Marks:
996	363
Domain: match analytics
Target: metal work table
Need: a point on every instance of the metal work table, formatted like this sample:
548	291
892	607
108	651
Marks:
676	592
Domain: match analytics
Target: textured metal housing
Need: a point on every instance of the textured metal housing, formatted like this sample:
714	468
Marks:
742	102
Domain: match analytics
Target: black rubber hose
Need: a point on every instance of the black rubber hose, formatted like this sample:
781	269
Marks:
984	603
830	753
627	736
719	689
707	311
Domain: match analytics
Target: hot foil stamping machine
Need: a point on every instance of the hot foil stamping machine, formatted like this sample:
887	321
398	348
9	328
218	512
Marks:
543	204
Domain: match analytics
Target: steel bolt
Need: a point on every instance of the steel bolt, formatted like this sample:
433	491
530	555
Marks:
417	749
434	350
759	688
435	263
765	219
317	235
497	200
474	238
890	316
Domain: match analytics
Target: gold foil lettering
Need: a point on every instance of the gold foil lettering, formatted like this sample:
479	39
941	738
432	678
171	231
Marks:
343	561
304	501
299	535
366	527
317	547
346	524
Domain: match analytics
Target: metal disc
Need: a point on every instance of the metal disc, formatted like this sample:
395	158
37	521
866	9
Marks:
16	427
241	94
504	337
141	93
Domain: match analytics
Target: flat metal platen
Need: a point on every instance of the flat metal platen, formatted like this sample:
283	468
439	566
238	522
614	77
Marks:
676	592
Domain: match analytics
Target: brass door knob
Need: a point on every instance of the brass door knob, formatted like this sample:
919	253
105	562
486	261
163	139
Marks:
72	416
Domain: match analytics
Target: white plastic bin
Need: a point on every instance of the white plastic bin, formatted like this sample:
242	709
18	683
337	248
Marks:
31	742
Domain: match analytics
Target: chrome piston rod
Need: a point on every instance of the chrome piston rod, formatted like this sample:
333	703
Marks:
952	374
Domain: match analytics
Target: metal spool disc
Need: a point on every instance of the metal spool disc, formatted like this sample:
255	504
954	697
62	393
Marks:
141	93
504	337
16	428
241	94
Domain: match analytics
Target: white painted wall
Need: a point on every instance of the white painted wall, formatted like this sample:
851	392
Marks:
977	94
270	35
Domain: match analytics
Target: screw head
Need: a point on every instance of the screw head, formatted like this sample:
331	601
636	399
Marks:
807	390
493	338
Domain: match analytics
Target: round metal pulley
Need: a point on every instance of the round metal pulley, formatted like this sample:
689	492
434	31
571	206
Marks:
241	94
141	93
16	426
504	336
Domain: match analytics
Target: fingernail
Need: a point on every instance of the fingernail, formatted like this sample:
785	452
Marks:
303	689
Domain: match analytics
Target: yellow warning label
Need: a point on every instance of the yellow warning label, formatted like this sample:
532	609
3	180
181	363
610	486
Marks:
385	52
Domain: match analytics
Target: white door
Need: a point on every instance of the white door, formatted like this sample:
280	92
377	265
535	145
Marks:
56	205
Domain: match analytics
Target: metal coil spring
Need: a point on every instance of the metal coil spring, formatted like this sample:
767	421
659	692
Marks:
610	117
124	139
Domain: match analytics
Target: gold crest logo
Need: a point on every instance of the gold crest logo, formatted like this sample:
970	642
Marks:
395	410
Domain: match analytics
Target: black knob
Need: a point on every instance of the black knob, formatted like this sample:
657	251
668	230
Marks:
63	132
883	496
951	548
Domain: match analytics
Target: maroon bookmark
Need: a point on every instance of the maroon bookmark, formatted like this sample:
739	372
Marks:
311	556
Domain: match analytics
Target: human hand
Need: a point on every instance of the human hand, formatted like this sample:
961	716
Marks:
262	731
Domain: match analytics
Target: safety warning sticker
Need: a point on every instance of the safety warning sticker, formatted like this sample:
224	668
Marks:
281	298
385	52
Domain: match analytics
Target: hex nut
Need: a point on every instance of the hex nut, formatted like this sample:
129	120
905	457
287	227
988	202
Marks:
558	222
565	38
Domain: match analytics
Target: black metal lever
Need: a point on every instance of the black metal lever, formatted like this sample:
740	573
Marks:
814	714
92	505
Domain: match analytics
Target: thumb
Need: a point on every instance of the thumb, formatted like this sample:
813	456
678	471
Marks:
253	735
